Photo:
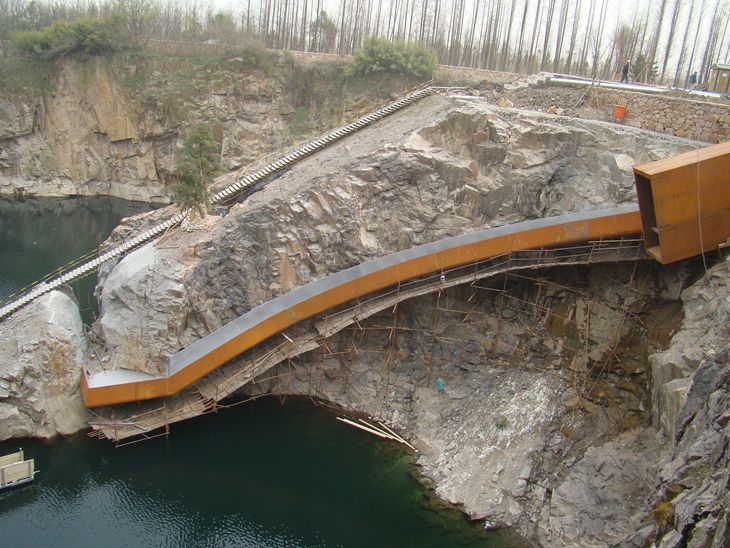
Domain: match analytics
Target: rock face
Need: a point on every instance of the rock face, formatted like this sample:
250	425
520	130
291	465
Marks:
604	496
387	188
111	126
539	426
81	139
704	327
691	502
42	350
90	136
144	284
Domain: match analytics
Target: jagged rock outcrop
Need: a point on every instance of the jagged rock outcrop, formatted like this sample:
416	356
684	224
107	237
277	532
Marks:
399	184
42	351
704	329
88	135
691	501
523	435
82	138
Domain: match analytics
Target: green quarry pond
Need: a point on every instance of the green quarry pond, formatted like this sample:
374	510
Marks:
259	474
39	235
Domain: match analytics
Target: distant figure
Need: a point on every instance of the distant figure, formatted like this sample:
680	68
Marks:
625	72
693	80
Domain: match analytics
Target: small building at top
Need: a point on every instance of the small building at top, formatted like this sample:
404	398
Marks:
719	80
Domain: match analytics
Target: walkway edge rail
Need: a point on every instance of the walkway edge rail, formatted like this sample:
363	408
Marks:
220	346
240	185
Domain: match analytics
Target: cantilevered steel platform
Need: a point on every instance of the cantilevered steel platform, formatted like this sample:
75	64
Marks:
685	203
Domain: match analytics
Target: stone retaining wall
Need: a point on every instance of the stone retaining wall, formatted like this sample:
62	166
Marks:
703	121
447	74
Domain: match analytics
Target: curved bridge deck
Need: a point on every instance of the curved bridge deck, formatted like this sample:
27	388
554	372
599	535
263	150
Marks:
256	326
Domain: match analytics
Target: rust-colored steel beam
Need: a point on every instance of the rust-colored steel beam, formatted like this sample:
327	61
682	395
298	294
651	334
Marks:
224	344
685	203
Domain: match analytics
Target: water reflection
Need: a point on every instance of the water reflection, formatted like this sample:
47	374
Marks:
39	235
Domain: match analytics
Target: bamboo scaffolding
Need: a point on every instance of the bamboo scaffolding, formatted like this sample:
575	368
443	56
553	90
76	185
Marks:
224	381
366	429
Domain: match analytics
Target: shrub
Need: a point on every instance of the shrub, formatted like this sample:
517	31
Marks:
501	422
88	35
378	55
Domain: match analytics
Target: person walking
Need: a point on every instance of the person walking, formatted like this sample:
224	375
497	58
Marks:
693	80
625	72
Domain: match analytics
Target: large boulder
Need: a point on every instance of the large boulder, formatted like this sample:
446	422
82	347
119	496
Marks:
42	352
144	306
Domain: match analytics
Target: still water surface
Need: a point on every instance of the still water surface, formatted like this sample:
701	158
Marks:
39	235
260	474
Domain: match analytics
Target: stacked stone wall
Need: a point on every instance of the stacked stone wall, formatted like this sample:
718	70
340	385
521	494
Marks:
700	120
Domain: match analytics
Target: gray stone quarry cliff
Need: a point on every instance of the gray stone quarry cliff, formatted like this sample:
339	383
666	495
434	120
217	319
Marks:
539	427
82	138
90	133
691	389
564	470
440	168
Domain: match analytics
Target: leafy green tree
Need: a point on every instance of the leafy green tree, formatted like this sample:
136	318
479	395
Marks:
378	55
87	35
199	163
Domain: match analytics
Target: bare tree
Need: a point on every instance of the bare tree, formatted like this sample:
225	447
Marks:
587	37
694	42
535	34
506	44
711	43
670	36
573	36
523	19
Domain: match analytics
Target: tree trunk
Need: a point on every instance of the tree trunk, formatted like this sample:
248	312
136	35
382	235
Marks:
535	35
518	56
506	45
670	37
548	25
573	35
694	43
683	48
710	44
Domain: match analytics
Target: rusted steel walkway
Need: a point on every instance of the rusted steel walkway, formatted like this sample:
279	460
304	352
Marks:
209	353
144	420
